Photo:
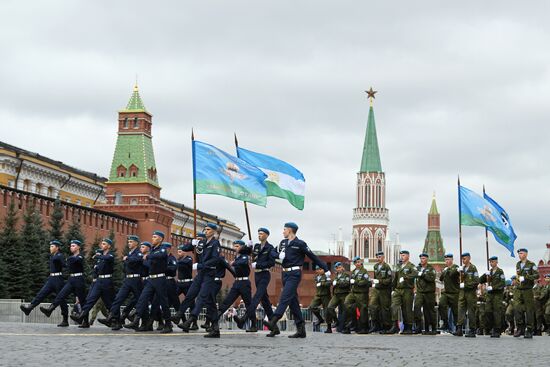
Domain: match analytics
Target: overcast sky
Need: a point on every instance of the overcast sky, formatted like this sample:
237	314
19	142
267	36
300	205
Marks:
464	88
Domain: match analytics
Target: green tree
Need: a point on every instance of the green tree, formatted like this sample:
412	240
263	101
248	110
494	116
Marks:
3	289
14	257
36	248
74	232
56	222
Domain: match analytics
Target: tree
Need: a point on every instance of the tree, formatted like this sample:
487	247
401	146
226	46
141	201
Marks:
36	248
3	289
13	255
74	232
56	222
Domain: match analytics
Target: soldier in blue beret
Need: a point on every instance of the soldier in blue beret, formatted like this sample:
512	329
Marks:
424	301
54	284
263	259
171	287
103	287
467	297
340	290
292	252
184	279
380	298
132	284
75	283
403	294
495	281
450	277
527	274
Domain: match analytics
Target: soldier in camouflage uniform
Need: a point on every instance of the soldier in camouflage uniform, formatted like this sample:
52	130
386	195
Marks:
340	290
480	310
402	296
511	297
380	295
527	273
322	294
449	296
358	298
424	302
546	297
539	307
469	279
495	280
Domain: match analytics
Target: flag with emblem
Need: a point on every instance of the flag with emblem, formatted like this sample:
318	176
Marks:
476	210
219	173
283	180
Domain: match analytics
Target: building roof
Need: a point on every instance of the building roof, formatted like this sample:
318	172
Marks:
19	151
135	104
370	161
134	149
433	208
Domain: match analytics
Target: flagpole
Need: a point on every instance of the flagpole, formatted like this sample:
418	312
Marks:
244	202
194	187
486	237
459	222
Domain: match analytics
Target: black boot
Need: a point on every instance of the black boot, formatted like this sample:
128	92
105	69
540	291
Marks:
134	324
329	328
85	324
470	334
528	334
65	321
271	323
177	317
194	326
519	332
146	325
167	327
107	322
47	310
300	331
495	333
206	324
458	331
394	329
407	329
252	328
274	332
214	331
375	327
185	326
27	309
239	321
160	325
116	325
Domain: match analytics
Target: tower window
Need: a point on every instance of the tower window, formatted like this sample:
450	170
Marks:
133	170
121	171
125	125
136	123
118	198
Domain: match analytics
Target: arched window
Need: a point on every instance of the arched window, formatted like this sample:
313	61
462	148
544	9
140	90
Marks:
118	198
133	202
125	125
133	170
121	171
366	247
136	123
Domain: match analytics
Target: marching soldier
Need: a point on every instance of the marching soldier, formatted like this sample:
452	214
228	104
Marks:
340	290
402	296
292	253
546	298
54	283
480	311
171	287
264	256
358	298
103	287
380	295
322	294
510	312
538	291
185	277
449	296
527	274
133	264
495	280
75	284
467	299
241	286
424	302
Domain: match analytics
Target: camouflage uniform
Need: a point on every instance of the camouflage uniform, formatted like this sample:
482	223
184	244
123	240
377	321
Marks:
527	273
380	297
322	296
449	296
495	280
424	302
402	296
340	290
358	298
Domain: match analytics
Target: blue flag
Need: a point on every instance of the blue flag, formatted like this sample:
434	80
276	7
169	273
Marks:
219	173
485	212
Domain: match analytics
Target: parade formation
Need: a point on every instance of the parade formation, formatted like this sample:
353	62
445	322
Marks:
470	303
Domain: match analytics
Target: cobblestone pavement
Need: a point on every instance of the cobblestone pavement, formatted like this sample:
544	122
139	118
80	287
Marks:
47	345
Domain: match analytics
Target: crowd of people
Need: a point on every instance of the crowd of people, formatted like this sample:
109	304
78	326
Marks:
156	281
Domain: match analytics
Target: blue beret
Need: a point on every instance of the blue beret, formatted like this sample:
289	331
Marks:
380	253
264	230
133	238
159	233
513	277
522	250
337	264
201	235
465	254
493	258
55	242
292	225
76	242
356	258
508	282
107	240
166	244
238	242
423	255
148	244
449	255
406	252
213	226
547	275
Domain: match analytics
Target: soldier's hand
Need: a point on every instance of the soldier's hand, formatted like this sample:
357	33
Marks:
334	282
253	265
352	281
195	266
488	273
376	281
521	278
318	284
489	288
195	242
401	280
124	258
461	285
327	273
282	255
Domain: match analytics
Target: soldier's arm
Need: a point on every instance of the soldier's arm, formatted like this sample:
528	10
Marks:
363	280
214	259
109	257
413	273
229	268
326	282
172	266
533	274
483	278
429	275
499	281
387	279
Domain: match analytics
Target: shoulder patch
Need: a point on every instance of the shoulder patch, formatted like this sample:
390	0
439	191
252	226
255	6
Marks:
535	267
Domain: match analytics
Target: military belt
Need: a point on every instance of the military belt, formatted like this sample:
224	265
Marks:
169	277
242	278
217	278
153	276
133	275
75	275
55	274
260	270
292	268
105	276
184	280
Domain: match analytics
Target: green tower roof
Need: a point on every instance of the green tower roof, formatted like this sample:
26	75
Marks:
433	208
131	152
135	104
371	155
